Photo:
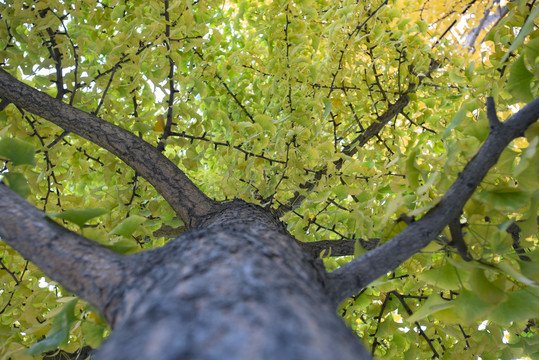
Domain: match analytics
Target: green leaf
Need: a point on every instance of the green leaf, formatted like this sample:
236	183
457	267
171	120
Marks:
521	304
124	246
508	269
412	172
393	13
445	277
59	331
127	227
433	304
457	118
527	170
265	121
117	13
485	290
93	333
505	198
396	227
525	30
142	127
530	269
532	50
519	81
530	225
79	216
329	106
18	183
466	309
17	151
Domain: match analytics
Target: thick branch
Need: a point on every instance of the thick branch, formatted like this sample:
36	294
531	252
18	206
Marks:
457	239
373	130
330	247
180	192
341	247
360	272
80	265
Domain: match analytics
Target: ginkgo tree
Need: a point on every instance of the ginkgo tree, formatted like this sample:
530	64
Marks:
269	179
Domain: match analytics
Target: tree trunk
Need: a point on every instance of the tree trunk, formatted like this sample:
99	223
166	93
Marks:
237	286
240	288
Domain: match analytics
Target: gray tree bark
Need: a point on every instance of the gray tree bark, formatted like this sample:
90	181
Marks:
237	286
238	289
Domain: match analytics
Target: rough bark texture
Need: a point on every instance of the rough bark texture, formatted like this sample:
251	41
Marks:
185	198
361	271
84	267
342	247
241	288
237	287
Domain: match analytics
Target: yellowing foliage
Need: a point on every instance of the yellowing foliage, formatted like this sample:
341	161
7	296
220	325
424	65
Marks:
293	105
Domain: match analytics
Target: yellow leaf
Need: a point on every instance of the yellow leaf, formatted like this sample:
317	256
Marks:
159	123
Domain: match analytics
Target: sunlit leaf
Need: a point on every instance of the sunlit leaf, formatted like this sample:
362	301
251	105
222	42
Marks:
159	124
433	304
128	226
277	102
524	31
79	216
445	277
93	334
265	121
59	332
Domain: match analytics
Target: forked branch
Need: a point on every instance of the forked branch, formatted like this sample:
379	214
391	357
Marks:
360	272
186	199
82	266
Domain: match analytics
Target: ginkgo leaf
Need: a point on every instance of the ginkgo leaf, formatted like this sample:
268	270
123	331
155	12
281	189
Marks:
466	309
459	116
507	268
275	102
520	80
159	124
486	290
79	216
265	121
17	151
18	183
328	107
524	31
520	305
433	304
505	198
59	331
128	226
124	246
446	277
93	333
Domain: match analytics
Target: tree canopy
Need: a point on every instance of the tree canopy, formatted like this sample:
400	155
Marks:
347	120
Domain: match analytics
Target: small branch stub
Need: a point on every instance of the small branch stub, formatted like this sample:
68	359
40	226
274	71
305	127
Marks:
493	120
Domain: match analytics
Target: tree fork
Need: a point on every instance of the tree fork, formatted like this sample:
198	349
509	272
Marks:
240	288
361	271
191	204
